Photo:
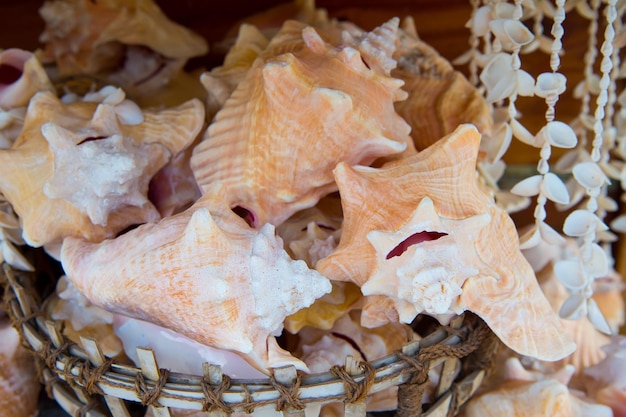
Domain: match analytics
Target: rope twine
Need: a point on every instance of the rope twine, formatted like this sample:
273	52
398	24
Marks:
288	394
411	393
147	395
213	395
355	391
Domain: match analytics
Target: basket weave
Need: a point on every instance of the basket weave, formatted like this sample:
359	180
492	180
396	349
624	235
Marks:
85	383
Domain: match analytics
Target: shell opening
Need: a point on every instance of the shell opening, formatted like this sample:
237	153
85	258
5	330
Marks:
9	74
245	214
351	342
414	239
91	139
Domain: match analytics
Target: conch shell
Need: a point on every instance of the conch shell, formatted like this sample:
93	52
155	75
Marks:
21	76
217	281
303	107
422	232
88	37
117	155
439	98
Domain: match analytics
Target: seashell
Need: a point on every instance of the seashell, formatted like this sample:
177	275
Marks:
21	76
313	233
589	341
543	398
174	188
556	134
19	385
323	350
434	242
439	98
606	380
279	95
550	84
80	318
221	81
38	175
220	282
176	352
511	33
86	37
501	80
11	123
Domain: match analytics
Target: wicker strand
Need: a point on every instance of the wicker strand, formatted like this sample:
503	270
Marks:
355	391
213	396
91	376
149	396
288	394
51	354
411	393
82	411
248	403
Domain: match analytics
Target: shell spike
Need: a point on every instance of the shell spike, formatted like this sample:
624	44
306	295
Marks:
377	47
313	40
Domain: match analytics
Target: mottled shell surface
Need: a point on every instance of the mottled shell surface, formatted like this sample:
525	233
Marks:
19	386
304	106
421	232
217	280
83	36
439	98
21	77
82	169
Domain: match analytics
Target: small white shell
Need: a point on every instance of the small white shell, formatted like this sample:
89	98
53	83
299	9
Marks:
511	33
570	274
574	307
550	83
554	189
528	187
557	134
581	222
589	175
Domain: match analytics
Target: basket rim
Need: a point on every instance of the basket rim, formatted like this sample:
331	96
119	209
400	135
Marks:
88	371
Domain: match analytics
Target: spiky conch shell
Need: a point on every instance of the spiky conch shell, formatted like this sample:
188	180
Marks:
30	165
83	36
215	279
303	106
439	98
473	262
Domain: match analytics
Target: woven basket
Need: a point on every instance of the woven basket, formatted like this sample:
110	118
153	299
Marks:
85	383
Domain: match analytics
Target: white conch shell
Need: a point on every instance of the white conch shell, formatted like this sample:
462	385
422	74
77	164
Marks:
434	247
21	77
259	144
217	280
38	174
176	352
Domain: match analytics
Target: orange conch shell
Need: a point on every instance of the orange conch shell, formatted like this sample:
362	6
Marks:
84	36
214	279
117	155
440	98
303	107
422	232
22	76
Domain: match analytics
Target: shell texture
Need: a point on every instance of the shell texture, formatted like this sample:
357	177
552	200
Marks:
83	36
606	381
21	76
219	282
304	106
114	157
19	387
439	98
420	230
